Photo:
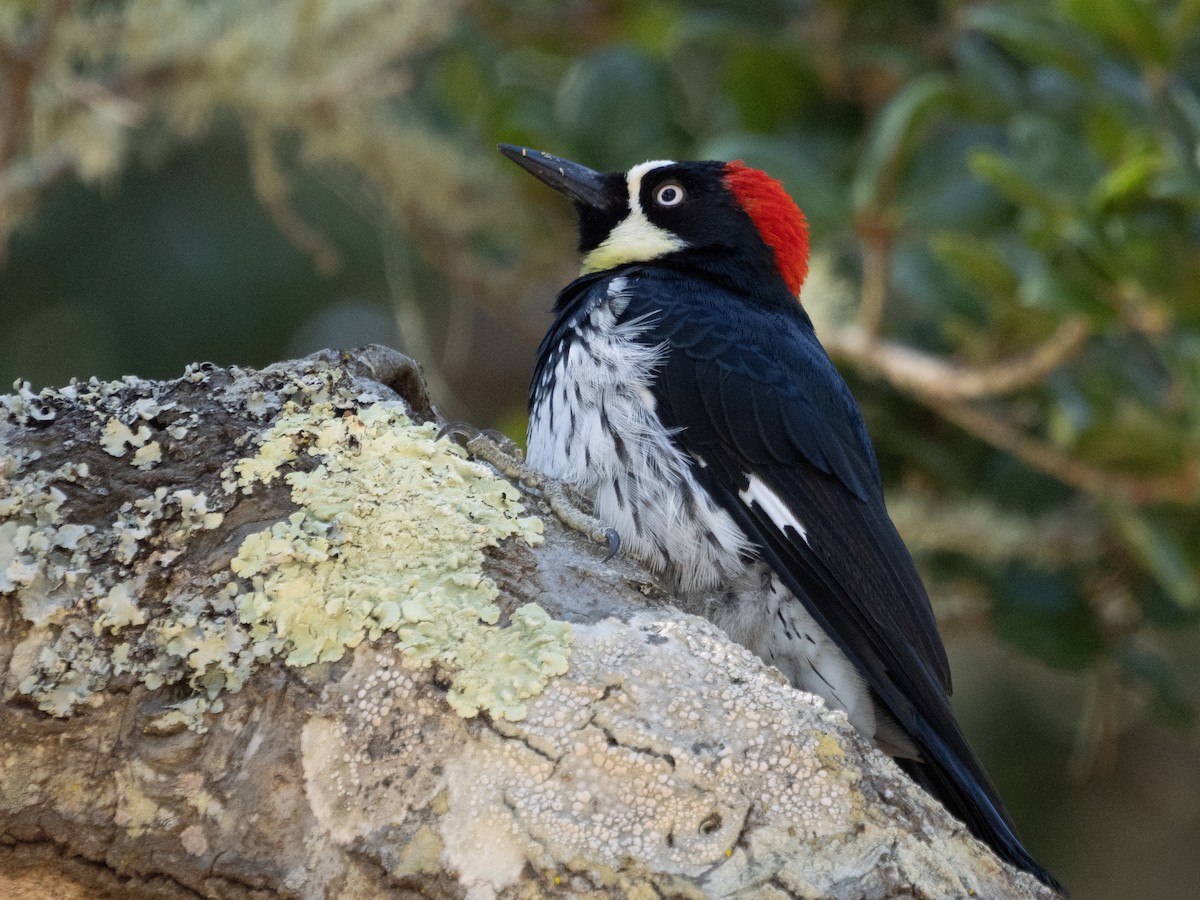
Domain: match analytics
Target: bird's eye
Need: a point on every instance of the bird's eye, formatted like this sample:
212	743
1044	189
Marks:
669	194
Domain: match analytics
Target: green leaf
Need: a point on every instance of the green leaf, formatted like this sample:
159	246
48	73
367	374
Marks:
1187	19
894	137
976	260
991	79
1045	287
1035	39
1009	179
768	85
1125	23
1159	551
1051	152
1044	615
1137	435
930	292
1129	178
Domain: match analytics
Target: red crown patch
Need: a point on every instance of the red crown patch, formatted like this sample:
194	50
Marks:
778	219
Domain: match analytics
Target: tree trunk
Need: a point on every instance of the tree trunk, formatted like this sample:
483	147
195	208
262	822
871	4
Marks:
262	635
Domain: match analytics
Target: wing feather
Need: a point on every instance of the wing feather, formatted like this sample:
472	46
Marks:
776	407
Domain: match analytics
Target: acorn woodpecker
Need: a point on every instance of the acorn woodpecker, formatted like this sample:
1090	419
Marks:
681	386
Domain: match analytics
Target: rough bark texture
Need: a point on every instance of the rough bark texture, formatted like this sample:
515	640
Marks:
261	635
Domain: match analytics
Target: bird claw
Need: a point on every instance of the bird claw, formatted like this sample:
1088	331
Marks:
613	539
569	511
496	449
459	432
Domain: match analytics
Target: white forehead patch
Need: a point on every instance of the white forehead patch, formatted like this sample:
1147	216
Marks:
635	176
635	238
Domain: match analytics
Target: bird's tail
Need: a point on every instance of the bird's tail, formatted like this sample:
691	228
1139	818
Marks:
954	776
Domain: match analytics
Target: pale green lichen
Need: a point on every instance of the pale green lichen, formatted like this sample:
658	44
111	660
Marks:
119	437
148	456
118	608
77	585
389	538
136	812
42	557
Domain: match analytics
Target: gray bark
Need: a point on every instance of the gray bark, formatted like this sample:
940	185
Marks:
255	650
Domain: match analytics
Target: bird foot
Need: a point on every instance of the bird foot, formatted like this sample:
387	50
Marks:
508	454
496	449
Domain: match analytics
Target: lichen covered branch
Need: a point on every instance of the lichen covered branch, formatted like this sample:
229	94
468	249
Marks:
261	633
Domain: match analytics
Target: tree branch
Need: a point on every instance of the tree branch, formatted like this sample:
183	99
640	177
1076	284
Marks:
933	379
260	633
944	387
274	192
19	66
876	237
1179	487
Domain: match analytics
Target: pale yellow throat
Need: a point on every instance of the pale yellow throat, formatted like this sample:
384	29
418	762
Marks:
636	238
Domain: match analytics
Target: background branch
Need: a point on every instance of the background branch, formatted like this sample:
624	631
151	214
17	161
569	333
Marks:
943	386
1182	487
932	379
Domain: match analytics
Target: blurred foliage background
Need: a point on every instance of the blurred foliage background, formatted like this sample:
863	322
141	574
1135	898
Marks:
1005	205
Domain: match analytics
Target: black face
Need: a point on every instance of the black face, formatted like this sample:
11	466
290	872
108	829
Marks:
691	200
595	222
687	200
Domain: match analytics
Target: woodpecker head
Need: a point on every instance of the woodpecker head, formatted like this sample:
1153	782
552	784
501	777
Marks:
740	218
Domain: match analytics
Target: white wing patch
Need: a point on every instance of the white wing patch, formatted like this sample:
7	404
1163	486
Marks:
772	504
636	238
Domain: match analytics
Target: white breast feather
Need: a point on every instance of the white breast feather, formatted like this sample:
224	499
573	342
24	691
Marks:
650	497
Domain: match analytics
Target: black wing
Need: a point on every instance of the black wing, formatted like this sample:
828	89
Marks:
573	305
751	391
769	402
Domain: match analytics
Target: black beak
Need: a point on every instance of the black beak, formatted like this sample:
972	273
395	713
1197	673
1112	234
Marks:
580	183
